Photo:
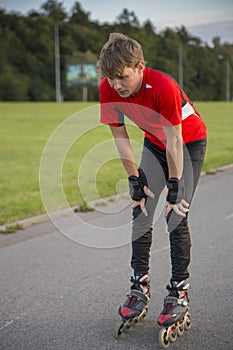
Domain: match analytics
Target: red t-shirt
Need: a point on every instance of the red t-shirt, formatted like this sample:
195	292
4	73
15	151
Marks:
159	103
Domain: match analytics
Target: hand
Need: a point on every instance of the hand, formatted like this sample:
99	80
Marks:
142	202
180	209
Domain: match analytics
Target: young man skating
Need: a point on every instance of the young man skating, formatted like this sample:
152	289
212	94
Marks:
172	156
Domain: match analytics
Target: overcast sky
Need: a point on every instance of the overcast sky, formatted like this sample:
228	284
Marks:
199	15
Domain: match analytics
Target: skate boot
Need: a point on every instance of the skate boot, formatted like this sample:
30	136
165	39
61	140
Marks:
174	317
135	307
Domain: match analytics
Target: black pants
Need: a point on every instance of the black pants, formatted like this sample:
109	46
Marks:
154	165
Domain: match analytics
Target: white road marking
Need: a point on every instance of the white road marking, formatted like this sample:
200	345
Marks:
9	323
23	314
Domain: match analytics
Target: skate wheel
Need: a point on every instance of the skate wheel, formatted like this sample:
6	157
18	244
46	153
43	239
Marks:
142	317
143	314
180	329
164	338
127	326
172	333
135	321
187	322
118	330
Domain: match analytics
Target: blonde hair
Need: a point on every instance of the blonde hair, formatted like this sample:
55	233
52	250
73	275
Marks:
119	52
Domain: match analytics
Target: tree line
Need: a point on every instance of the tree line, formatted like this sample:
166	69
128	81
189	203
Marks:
27	64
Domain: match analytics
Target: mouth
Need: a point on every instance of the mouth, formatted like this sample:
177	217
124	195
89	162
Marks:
122	92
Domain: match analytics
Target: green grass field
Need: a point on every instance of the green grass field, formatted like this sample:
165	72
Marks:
27	127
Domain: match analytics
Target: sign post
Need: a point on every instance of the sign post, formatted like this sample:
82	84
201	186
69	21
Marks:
83	75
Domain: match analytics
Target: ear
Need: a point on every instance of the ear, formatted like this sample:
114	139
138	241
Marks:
141	66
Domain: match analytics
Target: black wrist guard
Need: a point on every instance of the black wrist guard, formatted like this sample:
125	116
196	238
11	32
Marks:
136	185
176	190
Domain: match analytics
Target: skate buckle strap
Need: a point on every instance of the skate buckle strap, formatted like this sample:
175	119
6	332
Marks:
175	301
136	293
145	282
183	302
171	300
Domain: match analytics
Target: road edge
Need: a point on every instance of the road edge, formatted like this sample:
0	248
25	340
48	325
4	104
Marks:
24	223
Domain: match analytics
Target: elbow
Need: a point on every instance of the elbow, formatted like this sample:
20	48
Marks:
179	140
174	143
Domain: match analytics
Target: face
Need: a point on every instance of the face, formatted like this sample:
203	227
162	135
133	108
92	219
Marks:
129	82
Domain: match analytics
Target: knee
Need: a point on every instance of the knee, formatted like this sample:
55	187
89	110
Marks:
142	237
177	223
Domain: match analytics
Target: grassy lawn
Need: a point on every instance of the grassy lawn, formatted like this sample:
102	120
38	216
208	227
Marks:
218	117
27	127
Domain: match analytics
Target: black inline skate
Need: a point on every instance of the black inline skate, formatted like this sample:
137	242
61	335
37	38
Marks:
174	318
136	306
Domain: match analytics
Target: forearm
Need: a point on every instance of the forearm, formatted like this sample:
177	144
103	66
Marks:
174	151
174	154
175	183
127	156
125	150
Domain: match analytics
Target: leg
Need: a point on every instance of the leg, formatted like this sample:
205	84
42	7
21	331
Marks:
139	296
177	226
142	226
176	303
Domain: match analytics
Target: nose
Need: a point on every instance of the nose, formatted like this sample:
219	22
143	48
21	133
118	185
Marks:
116	83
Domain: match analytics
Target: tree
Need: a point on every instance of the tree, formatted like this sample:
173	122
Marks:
148	26
79	16
55	10
27	69
126	21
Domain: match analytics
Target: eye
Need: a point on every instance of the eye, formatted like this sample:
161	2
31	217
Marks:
123	77
110	80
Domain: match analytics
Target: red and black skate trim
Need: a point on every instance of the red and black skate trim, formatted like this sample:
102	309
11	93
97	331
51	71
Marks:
174	318
169	334
134	304
137	299
135	308
175	305
174	310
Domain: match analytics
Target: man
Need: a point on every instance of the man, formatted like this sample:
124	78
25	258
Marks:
173	155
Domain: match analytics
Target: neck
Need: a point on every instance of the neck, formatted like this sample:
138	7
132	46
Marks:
140	84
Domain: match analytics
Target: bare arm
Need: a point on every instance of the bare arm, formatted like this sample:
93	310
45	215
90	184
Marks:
174	153
125	149
128	160
174	150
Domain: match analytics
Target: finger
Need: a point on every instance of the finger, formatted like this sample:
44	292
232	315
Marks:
142	206
182	208
169	207
184	203
134	204
148	192
143	209
167	212
178	211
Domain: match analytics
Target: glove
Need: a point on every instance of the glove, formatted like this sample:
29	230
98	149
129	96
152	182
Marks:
176	190
136	185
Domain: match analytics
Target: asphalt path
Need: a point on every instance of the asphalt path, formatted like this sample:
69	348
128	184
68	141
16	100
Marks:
62	290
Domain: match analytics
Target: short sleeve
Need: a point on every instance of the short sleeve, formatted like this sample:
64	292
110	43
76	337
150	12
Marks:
109	113
170	103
